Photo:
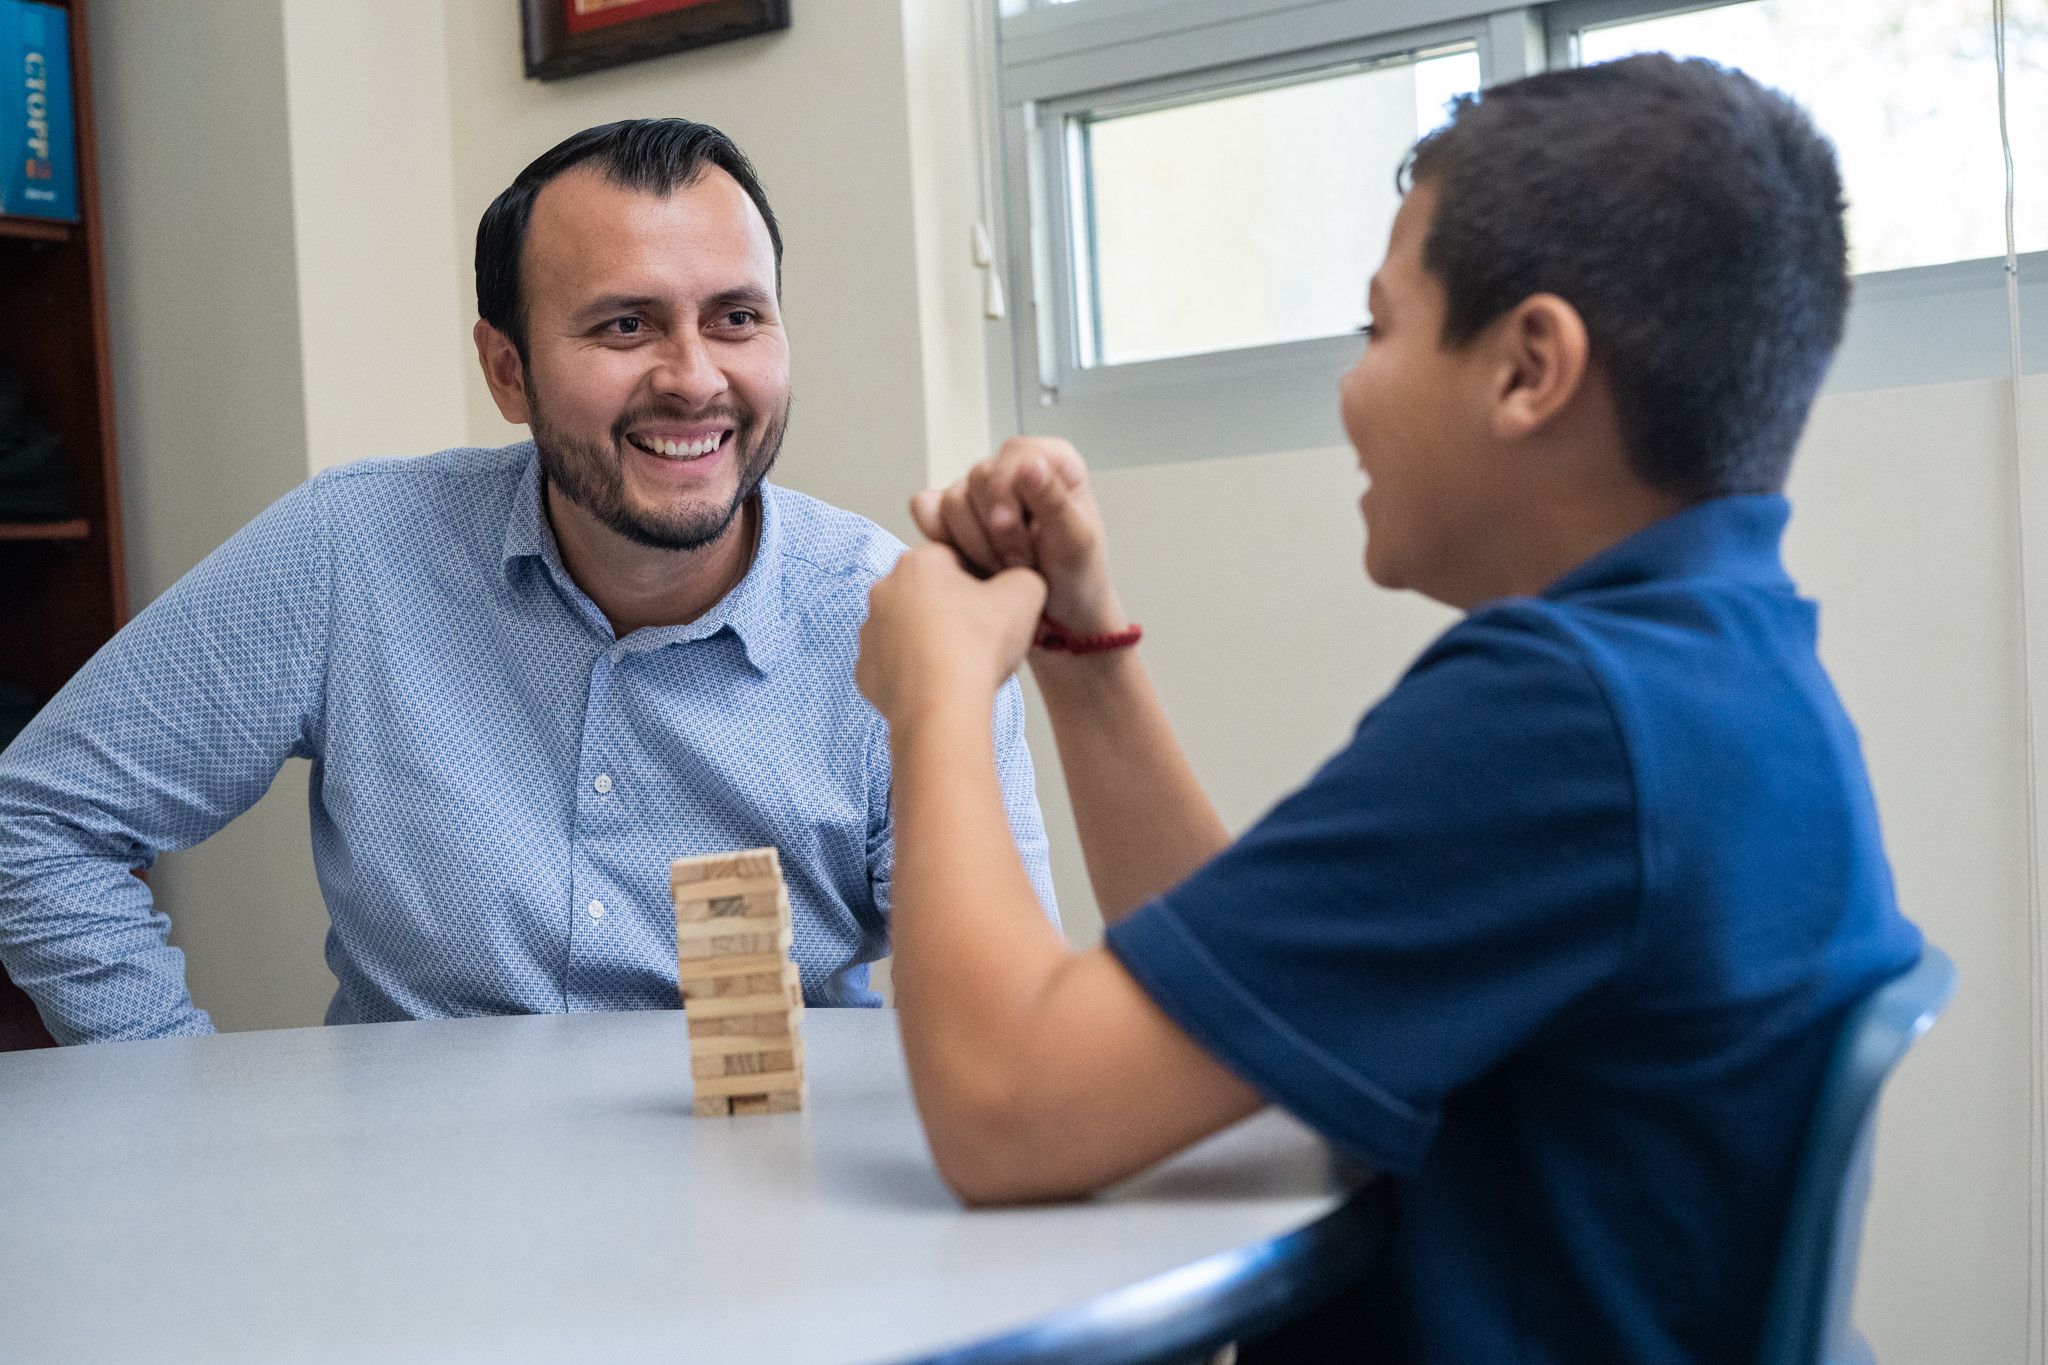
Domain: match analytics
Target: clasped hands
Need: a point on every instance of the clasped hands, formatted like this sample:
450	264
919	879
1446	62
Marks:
1019	537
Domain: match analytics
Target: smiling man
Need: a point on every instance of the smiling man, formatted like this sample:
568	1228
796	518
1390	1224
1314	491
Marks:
527	678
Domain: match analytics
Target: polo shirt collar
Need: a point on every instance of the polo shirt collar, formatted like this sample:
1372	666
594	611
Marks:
1735	538
753	610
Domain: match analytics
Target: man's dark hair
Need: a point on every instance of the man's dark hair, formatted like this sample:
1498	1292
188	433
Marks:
1692	216
653	155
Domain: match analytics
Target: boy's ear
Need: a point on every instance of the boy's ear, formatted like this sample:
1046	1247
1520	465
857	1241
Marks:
1543	356
503	371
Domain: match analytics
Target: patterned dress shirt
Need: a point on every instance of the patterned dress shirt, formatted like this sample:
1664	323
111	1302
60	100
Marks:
498	784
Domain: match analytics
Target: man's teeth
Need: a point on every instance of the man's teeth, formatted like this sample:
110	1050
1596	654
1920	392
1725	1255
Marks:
683	450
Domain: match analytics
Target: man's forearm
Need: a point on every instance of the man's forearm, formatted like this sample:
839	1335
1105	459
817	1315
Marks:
1144	820
81	935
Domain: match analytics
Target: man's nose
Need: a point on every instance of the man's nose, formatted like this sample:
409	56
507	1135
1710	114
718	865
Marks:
688	370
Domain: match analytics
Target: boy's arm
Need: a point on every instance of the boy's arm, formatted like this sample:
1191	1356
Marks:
1039	1072
1145	822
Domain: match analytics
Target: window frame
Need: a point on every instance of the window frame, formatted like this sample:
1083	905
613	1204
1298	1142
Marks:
1063	166
1052	61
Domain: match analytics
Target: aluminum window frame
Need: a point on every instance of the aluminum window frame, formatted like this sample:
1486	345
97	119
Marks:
1050	62
1064	364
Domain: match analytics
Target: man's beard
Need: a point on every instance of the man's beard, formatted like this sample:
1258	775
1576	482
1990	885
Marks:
589	474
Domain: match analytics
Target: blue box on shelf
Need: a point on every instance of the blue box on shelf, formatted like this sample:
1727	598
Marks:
38	153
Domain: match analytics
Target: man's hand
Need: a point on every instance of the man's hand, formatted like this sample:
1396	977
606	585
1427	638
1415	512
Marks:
935	634
1030	506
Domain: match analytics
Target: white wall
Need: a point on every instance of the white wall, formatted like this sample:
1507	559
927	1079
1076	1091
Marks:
288	291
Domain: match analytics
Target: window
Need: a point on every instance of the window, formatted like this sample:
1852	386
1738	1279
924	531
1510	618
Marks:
1905	90
1217	223
1193	192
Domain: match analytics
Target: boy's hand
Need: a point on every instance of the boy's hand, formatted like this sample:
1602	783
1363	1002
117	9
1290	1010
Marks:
935	634
1030	506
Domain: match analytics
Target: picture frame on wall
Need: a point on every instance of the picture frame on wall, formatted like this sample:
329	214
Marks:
570	37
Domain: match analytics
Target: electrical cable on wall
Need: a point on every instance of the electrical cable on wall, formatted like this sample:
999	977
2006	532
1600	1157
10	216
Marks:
994	308
2037	1085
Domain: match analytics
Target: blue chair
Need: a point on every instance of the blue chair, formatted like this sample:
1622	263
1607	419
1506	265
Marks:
1807	1320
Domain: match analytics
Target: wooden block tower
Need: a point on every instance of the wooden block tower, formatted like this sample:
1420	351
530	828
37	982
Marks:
741	996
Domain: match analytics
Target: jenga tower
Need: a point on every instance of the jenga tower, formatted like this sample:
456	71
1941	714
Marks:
741	996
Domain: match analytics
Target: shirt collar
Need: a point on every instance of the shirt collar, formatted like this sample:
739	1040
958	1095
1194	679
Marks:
526	530
753	610
1733	538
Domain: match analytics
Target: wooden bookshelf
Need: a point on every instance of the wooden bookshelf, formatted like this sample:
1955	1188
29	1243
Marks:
36	229
63	587
78	528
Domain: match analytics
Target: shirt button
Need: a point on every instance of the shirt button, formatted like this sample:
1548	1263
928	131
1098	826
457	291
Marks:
603	783
597	909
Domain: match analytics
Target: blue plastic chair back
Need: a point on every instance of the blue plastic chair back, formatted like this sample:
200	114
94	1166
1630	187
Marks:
1807	1321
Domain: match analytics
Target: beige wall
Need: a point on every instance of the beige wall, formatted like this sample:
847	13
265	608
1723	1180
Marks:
383	311
1905	534
289	291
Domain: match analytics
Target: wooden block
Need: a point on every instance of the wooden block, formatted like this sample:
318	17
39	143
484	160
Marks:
727	939
748	1063
758	975
692	930
711	867
711	1106
726	1006
762	1083
781	1102
761	983
744	965
771	1026
738	1044
692	951
779	977
729	899
783	983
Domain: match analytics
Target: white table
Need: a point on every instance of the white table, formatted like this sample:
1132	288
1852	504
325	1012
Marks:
536	1189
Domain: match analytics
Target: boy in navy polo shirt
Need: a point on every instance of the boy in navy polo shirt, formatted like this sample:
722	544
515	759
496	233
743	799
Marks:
1559	940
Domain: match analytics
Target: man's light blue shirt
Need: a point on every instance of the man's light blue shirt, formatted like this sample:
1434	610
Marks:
498	783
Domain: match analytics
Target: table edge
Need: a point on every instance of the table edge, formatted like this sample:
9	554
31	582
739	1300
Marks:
1237	1293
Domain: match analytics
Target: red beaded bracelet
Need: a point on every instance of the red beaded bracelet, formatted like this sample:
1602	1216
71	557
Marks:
1054	636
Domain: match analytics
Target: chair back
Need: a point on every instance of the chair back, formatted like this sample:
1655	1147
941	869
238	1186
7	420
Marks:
1807	1320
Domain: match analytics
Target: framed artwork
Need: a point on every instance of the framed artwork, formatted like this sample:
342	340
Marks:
570	37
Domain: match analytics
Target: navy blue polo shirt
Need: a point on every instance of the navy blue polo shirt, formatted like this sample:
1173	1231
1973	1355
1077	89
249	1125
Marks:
1558	941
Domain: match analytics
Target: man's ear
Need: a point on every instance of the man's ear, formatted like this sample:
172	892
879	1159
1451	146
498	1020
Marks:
503	371
1543	357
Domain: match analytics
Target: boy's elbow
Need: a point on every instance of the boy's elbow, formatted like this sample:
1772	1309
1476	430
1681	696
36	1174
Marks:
998	1172
994	1150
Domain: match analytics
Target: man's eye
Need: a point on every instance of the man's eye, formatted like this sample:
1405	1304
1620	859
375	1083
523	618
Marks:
739	317
626	327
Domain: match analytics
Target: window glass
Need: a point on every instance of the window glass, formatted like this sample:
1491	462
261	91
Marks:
1908	92
1248	217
